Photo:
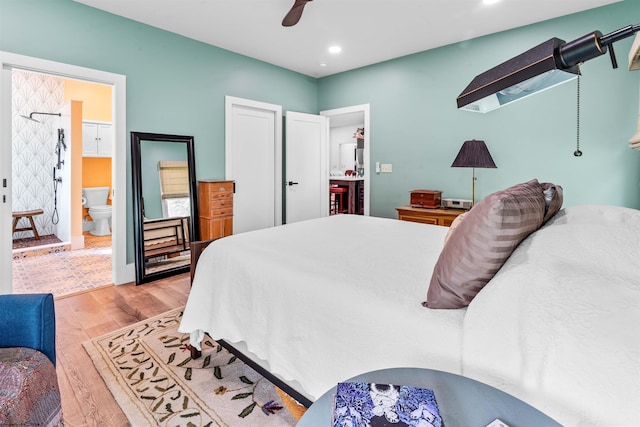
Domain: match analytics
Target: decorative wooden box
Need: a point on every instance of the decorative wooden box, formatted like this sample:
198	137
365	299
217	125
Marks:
430	199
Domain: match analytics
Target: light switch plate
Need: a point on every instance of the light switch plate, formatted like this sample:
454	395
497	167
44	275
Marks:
386	168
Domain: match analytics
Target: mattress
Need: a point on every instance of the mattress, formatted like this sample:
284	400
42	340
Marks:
322	300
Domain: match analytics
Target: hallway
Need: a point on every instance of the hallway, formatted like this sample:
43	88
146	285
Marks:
63	272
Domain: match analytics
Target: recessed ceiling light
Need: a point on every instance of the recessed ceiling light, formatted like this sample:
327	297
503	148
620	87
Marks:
335	49
323	65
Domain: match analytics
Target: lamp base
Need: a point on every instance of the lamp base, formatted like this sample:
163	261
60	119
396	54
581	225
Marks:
473	187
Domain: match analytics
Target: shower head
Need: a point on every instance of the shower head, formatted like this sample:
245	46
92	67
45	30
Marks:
30	116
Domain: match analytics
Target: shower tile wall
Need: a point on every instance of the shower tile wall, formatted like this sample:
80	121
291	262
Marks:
33	146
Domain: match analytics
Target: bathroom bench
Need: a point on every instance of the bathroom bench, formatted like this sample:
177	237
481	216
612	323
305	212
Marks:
29	215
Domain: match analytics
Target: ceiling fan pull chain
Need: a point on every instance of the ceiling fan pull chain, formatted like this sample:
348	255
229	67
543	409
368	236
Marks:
578	153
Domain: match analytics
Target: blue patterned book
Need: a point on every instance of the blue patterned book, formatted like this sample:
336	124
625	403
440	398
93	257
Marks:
360	404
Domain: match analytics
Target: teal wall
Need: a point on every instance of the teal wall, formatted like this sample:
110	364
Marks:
416	126
176	85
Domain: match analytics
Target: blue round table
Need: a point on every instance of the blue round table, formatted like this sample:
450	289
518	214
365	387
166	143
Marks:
463	402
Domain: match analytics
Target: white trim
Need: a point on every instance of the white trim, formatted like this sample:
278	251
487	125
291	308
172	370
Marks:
367	145
6	256
121	271
231	101
77	242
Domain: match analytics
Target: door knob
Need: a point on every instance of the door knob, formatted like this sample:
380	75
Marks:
292	183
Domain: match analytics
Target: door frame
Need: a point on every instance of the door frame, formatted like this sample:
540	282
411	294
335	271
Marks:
364	108
276	110
121	272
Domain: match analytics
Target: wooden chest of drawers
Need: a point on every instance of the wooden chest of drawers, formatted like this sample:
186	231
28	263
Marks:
428	216
215	209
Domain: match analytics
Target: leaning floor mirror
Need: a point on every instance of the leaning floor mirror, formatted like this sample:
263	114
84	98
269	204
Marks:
164	204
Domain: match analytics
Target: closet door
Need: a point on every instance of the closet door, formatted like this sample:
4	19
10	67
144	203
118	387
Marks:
253	160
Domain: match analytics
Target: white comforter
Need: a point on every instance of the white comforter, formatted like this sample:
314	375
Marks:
327	299
559	325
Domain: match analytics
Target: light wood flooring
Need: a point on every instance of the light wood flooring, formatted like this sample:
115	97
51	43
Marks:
86	401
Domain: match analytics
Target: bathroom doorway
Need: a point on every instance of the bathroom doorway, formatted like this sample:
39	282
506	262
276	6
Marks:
52	121
349	135
49	163
121	272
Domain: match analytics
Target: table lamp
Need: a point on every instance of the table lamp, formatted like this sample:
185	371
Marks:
473	154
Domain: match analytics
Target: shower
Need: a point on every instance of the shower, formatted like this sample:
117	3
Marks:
60	146
30	116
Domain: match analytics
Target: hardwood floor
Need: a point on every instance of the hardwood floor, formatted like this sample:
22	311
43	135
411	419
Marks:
86	401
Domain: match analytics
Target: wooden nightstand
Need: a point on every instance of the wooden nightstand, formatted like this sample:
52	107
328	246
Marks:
442	217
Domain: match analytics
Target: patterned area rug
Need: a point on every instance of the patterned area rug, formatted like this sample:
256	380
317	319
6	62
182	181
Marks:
62	271
148	369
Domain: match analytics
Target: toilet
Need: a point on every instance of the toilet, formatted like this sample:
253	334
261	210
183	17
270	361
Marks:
95	198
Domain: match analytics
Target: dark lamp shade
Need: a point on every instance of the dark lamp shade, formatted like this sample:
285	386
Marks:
547	65
473	154
533	71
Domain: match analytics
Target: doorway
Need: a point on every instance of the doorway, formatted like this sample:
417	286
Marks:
256	164
344	123
121	272
49	164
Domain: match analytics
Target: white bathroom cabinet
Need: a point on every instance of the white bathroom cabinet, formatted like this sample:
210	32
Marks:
97	139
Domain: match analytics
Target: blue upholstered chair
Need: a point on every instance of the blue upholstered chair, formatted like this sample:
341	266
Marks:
29	393
29	320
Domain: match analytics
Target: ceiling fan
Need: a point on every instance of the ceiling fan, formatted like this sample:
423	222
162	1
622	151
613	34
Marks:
293	16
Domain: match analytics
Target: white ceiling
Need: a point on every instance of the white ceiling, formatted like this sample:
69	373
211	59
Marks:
369	31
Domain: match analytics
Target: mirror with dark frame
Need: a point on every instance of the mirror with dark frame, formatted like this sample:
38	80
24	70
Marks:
164	204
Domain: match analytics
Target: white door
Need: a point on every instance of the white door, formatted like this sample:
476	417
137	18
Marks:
306	163
253	160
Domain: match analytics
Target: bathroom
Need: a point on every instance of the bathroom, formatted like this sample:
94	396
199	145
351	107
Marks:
54	159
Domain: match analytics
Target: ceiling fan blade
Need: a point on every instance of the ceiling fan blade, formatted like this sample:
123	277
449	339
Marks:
293	16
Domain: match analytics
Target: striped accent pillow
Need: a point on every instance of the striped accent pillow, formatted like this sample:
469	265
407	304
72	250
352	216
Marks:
481	243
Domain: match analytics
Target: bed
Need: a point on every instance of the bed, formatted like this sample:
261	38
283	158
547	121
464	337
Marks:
555	325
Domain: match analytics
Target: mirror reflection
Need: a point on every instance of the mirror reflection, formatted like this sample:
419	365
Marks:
164	204
348	158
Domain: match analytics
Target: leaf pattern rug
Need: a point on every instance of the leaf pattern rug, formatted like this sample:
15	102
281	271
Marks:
148	369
